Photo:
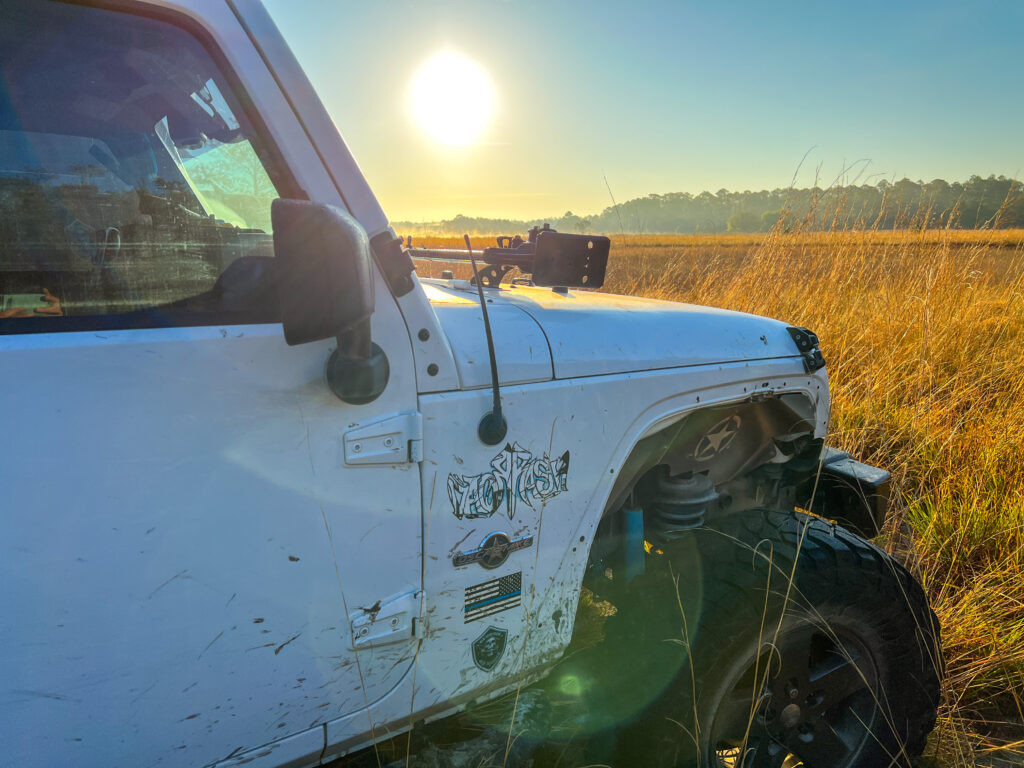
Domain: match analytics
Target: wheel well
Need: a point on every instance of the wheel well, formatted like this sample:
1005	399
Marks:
752	454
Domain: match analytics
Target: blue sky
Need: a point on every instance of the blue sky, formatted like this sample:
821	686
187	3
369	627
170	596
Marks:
667	96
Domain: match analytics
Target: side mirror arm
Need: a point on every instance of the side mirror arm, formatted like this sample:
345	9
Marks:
357	370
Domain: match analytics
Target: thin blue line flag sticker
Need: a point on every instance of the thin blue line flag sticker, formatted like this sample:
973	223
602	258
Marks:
493	596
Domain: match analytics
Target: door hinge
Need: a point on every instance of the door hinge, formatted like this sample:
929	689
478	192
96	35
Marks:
394	440
391	622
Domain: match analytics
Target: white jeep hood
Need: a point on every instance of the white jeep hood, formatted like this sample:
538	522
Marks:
591	333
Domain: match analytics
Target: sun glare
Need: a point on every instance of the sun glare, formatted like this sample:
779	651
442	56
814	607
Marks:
452	99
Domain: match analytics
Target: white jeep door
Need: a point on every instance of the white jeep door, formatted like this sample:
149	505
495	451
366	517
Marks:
184	546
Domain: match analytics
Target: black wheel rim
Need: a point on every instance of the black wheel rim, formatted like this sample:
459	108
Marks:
809	698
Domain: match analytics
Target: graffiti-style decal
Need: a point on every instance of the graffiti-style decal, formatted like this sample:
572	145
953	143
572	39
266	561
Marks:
489	648
493	551
492	597
516	476
717	439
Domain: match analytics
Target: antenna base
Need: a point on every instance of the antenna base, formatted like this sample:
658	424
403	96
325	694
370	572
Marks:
492	428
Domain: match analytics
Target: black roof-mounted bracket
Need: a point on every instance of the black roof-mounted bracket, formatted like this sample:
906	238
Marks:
552	258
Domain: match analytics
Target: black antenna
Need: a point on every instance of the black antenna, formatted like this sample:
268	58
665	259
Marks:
493	427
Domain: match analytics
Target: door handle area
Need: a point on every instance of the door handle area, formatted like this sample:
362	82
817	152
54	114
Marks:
390	622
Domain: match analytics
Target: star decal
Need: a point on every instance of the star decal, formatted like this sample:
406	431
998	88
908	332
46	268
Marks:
717	439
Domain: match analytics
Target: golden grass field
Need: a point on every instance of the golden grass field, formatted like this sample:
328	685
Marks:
923	332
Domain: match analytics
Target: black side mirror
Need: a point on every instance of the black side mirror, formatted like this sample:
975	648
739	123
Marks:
324	272
325	288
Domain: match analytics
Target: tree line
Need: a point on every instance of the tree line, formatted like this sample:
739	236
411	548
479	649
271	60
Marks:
996	202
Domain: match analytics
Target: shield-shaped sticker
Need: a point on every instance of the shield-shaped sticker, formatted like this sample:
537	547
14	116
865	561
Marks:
489	648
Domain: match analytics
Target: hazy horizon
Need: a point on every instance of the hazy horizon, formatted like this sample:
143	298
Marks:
740	196
662	97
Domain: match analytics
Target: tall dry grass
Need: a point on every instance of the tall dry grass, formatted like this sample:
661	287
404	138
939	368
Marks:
923	332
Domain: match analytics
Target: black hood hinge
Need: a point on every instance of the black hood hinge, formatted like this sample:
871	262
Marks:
807	342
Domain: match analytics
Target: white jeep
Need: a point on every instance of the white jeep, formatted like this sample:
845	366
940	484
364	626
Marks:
270	498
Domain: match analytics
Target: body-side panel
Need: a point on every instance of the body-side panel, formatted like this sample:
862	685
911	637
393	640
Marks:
184	547
593	423
597	421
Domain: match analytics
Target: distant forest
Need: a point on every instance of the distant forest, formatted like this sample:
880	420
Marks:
995	202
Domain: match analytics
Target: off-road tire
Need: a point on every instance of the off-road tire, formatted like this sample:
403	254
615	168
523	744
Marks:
697	633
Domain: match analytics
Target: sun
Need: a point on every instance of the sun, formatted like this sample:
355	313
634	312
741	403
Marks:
452	99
